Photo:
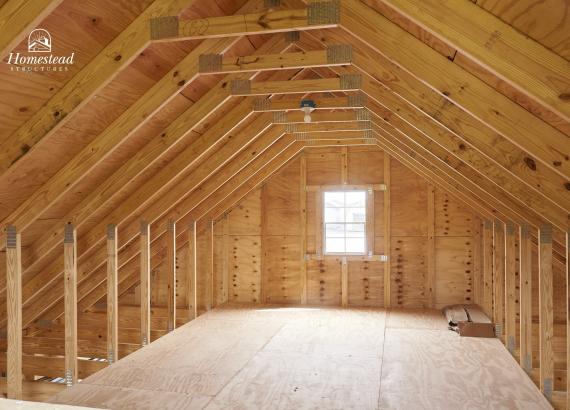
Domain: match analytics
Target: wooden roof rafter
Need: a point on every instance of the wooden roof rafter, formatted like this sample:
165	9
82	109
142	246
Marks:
18	18
505	178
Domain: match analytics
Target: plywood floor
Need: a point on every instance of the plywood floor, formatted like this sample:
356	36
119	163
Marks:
302	358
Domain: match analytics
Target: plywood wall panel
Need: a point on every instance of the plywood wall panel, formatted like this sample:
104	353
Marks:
244	268
323	168
451	216
454	270
365	283
365	167
282	269
265	230
409	202
408	270
323	282
245	219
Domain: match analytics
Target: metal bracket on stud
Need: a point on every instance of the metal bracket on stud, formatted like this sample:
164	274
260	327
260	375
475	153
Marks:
208	63
68	236
510	228
279	117
11	237
545	233
292	36
261	104
291	128
111	357
357	100
272	3
323	12
241	87
163	27
68	378
339	53
350	81
111	231
362	114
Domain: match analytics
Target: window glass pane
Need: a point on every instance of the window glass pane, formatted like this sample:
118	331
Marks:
355	199
355	215
334	199
355	245
335	245
334	215
334	230
355	230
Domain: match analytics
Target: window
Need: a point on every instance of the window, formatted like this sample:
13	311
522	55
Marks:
345	222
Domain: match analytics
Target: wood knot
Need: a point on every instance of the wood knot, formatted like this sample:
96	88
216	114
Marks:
530	163
181	83
564	96
462	147
567	186
118	57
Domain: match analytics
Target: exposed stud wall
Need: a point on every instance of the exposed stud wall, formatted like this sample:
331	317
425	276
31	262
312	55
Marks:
264	230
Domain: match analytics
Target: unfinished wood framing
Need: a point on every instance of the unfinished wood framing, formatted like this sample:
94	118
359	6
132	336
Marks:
488	273
223	125
387	232
112	295
303	225
170	274
546	310
525	266
430	277
499	277
14	314
191	273
145	280
70	278
511	285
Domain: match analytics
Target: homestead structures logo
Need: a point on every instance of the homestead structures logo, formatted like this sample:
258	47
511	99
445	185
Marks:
39	41
40	57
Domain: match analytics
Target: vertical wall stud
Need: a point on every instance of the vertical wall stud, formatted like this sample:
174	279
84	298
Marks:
370	244
319	226
303	223
488	267
112	295
14	314
192	272
525	261
170	267
344	281
510	287
477	240
430	285
264	274
210	230
387	232
70	303
499	277
225	258
546	316
145	283
344	166
568	317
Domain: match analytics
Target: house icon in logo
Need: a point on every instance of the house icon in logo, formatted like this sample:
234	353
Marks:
39	41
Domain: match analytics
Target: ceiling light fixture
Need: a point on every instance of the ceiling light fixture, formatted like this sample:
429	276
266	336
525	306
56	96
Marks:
308	106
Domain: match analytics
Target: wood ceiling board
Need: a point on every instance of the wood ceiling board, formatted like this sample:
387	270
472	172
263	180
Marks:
459	86
547	22
471	131
517	59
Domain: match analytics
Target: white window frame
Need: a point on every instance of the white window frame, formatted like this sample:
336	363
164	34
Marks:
324	224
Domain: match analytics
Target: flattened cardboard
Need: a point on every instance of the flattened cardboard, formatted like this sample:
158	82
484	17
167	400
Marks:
472	329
